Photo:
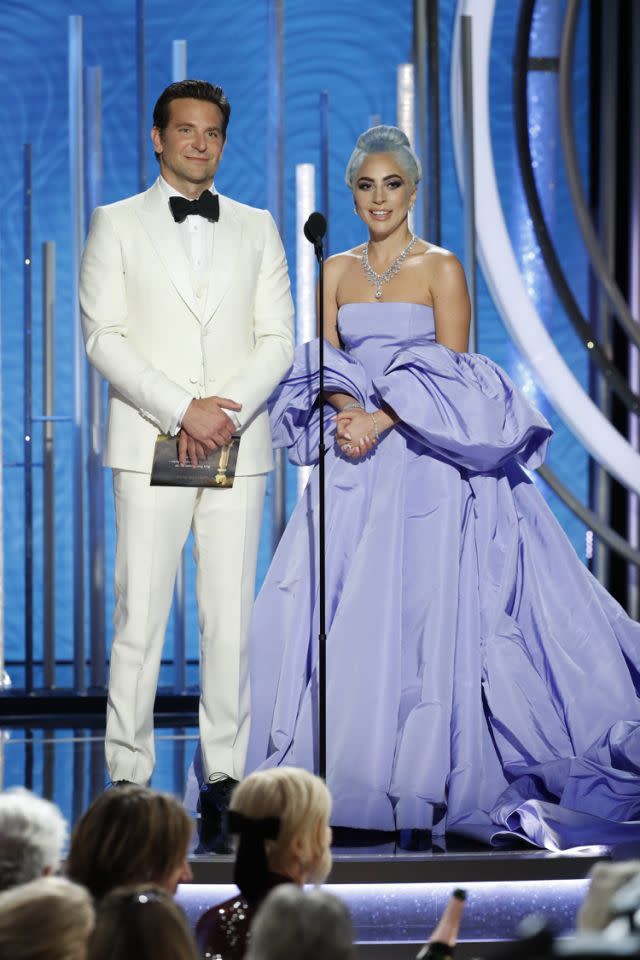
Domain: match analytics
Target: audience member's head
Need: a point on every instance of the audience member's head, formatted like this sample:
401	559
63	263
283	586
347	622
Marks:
32	835
294	925
281	817
46	919
606	879
131	834
141	923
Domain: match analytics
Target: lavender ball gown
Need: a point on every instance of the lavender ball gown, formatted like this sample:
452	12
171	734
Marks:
479	679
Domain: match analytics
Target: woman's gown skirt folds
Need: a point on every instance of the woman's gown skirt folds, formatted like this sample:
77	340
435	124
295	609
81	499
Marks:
479	679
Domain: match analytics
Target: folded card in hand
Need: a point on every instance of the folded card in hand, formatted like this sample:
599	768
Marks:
217	470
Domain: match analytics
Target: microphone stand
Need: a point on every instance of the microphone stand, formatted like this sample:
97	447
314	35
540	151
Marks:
314	230
322	631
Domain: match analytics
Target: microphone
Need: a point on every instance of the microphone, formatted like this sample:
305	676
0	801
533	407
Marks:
314	230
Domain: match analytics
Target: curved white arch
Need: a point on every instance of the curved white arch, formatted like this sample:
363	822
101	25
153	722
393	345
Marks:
502	273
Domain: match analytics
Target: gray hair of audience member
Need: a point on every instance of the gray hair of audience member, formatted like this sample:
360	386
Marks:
47	919
294	925
383	139
32	835
606	879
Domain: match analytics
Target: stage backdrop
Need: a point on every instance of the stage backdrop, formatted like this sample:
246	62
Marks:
350	50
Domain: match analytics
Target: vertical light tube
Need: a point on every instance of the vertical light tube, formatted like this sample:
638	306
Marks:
141	96
433	174
405	110
633	504
420	80
93	198
76	177
324	166
179	72
178	60
466	48
49	508
27	426
275	202
5	679
305	271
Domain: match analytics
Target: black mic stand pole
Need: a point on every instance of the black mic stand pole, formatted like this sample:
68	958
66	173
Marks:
322	633
314	230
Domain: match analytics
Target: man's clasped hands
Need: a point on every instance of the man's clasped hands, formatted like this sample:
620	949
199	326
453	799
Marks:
206	426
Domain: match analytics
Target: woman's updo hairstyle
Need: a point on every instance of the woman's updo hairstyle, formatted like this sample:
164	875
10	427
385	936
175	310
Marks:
383	139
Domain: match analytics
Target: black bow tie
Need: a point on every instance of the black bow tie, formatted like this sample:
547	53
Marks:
207	205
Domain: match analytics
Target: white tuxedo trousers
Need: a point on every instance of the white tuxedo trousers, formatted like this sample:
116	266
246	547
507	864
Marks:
152	525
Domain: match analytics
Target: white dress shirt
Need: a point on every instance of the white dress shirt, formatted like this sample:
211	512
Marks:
197	238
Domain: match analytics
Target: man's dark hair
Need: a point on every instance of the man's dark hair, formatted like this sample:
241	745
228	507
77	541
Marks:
191	90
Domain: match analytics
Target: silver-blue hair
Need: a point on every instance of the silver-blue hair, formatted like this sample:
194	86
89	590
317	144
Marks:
383	139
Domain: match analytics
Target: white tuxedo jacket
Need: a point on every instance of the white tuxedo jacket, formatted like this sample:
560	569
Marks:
148	336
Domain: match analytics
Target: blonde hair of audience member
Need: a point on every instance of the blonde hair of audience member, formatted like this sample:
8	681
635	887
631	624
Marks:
47	919
32	835
140	922
606	879
294	925
131	834
302	803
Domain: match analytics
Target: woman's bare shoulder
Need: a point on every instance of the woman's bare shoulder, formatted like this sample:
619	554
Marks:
438	258
339	262
440	265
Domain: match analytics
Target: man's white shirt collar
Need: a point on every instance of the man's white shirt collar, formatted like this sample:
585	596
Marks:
170	191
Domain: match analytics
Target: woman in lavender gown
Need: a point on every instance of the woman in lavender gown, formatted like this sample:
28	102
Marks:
479	679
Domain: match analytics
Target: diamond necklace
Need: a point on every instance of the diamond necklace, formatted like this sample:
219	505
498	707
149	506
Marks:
379	278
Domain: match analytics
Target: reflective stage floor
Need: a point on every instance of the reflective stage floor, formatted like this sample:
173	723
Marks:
395	895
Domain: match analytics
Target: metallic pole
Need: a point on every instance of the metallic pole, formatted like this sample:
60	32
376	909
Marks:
179	72
141	96
27	431
607	222
633	505
324	168
76	176
306	323
275	202
49	494
97	601
466	56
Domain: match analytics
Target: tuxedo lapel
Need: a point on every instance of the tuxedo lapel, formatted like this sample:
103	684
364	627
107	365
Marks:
226	248
159	224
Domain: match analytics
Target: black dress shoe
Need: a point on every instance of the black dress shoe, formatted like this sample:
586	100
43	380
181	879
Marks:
213	804
120	783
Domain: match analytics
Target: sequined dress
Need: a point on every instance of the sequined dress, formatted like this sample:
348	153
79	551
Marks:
223	931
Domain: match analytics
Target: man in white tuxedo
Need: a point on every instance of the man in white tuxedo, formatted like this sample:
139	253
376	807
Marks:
190	319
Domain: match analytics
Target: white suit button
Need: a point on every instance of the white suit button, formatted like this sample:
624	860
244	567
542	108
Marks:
193	379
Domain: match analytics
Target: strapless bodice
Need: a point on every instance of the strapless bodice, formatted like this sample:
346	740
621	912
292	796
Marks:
373	332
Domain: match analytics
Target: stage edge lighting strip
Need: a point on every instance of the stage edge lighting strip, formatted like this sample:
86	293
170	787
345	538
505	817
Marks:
408	912
502	273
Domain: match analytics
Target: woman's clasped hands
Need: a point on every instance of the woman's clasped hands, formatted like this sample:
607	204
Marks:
357	432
